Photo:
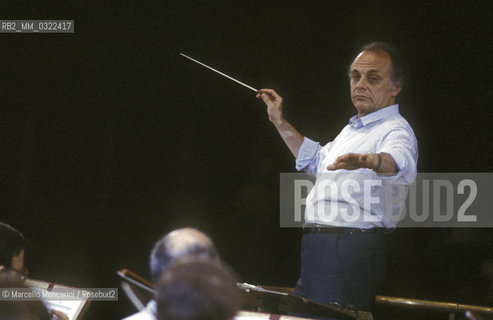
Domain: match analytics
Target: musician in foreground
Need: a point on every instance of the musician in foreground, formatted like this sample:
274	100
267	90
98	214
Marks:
13	270
176	245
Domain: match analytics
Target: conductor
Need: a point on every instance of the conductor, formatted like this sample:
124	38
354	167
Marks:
343	260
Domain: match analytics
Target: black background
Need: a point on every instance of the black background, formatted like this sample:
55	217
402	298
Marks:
109	138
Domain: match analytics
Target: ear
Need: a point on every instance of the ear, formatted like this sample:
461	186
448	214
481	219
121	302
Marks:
396	88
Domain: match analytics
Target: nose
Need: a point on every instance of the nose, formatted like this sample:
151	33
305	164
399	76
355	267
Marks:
361	83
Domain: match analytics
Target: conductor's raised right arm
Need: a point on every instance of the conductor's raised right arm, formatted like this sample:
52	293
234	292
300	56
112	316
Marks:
289	134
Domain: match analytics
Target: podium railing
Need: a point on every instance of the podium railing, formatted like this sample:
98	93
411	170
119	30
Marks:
449	308
271	297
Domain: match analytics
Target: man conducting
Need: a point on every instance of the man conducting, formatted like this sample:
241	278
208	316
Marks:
343	258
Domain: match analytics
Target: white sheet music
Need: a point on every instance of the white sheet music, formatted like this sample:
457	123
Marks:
72	308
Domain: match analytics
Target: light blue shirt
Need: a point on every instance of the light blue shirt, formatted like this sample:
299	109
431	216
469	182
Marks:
148	313
361	198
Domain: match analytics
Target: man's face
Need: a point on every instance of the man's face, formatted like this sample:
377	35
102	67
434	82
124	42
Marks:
371	85
18	262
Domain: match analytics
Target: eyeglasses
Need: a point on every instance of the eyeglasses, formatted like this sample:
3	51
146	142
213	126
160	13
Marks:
23	274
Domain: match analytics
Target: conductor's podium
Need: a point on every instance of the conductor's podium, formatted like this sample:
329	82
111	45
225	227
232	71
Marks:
284	305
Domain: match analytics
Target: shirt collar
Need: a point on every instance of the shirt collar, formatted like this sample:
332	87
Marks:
374	116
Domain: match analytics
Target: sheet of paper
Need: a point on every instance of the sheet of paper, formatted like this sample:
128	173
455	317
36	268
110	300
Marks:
71	308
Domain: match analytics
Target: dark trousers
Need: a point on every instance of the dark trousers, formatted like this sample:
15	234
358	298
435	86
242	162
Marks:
342	267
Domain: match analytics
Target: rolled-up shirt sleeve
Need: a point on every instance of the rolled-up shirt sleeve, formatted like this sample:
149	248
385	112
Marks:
308	156
401	144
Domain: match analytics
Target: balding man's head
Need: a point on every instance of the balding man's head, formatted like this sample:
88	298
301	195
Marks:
178	244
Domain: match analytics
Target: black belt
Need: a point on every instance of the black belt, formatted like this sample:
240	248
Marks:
329	229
